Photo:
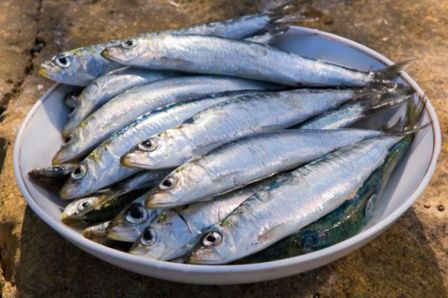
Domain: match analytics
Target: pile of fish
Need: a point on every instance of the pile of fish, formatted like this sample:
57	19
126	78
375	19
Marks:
208	145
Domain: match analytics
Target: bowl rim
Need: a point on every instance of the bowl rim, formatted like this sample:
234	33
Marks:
88	245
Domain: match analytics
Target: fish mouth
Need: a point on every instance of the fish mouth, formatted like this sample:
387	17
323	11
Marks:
108	53
43	71
153	203
133	160
210	259
122	233
68	220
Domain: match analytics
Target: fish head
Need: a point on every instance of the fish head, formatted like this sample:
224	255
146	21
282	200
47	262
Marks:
215	246
125	52
165	150
165	238
76	67
76	210
81	181
185	184
129	224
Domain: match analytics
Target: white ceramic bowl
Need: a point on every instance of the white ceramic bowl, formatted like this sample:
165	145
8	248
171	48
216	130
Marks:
39	138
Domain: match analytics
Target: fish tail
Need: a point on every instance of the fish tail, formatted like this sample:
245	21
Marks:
275	8
393	98
387	74
282	12
414	111
271	35
398	130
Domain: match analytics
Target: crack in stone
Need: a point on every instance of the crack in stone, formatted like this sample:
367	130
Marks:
17	89
8	241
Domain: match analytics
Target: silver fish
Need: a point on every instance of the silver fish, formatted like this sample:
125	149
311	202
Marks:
102	166
124	108
106	87
242	116
83	65
291	202
171	234
93	207
219	56
131	221
244	161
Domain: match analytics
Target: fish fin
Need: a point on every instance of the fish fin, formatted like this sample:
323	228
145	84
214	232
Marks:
414	111
270	36
387	74
276	8
398	131
282	12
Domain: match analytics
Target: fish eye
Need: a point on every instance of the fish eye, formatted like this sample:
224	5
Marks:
83	205
62	60
148	237
68	140
136	214
168	183
148	145
79	172
212	239
129	44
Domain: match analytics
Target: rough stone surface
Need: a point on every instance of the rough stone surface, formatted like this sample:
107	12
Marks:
409	260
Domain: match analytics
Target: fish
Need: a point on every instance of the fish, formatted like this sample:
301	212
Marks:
248	60
117	81
104	88
292	202
247	160
129	223
83	65
126	107
242	116
102	167
171	234
53	175
107	203
345	222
